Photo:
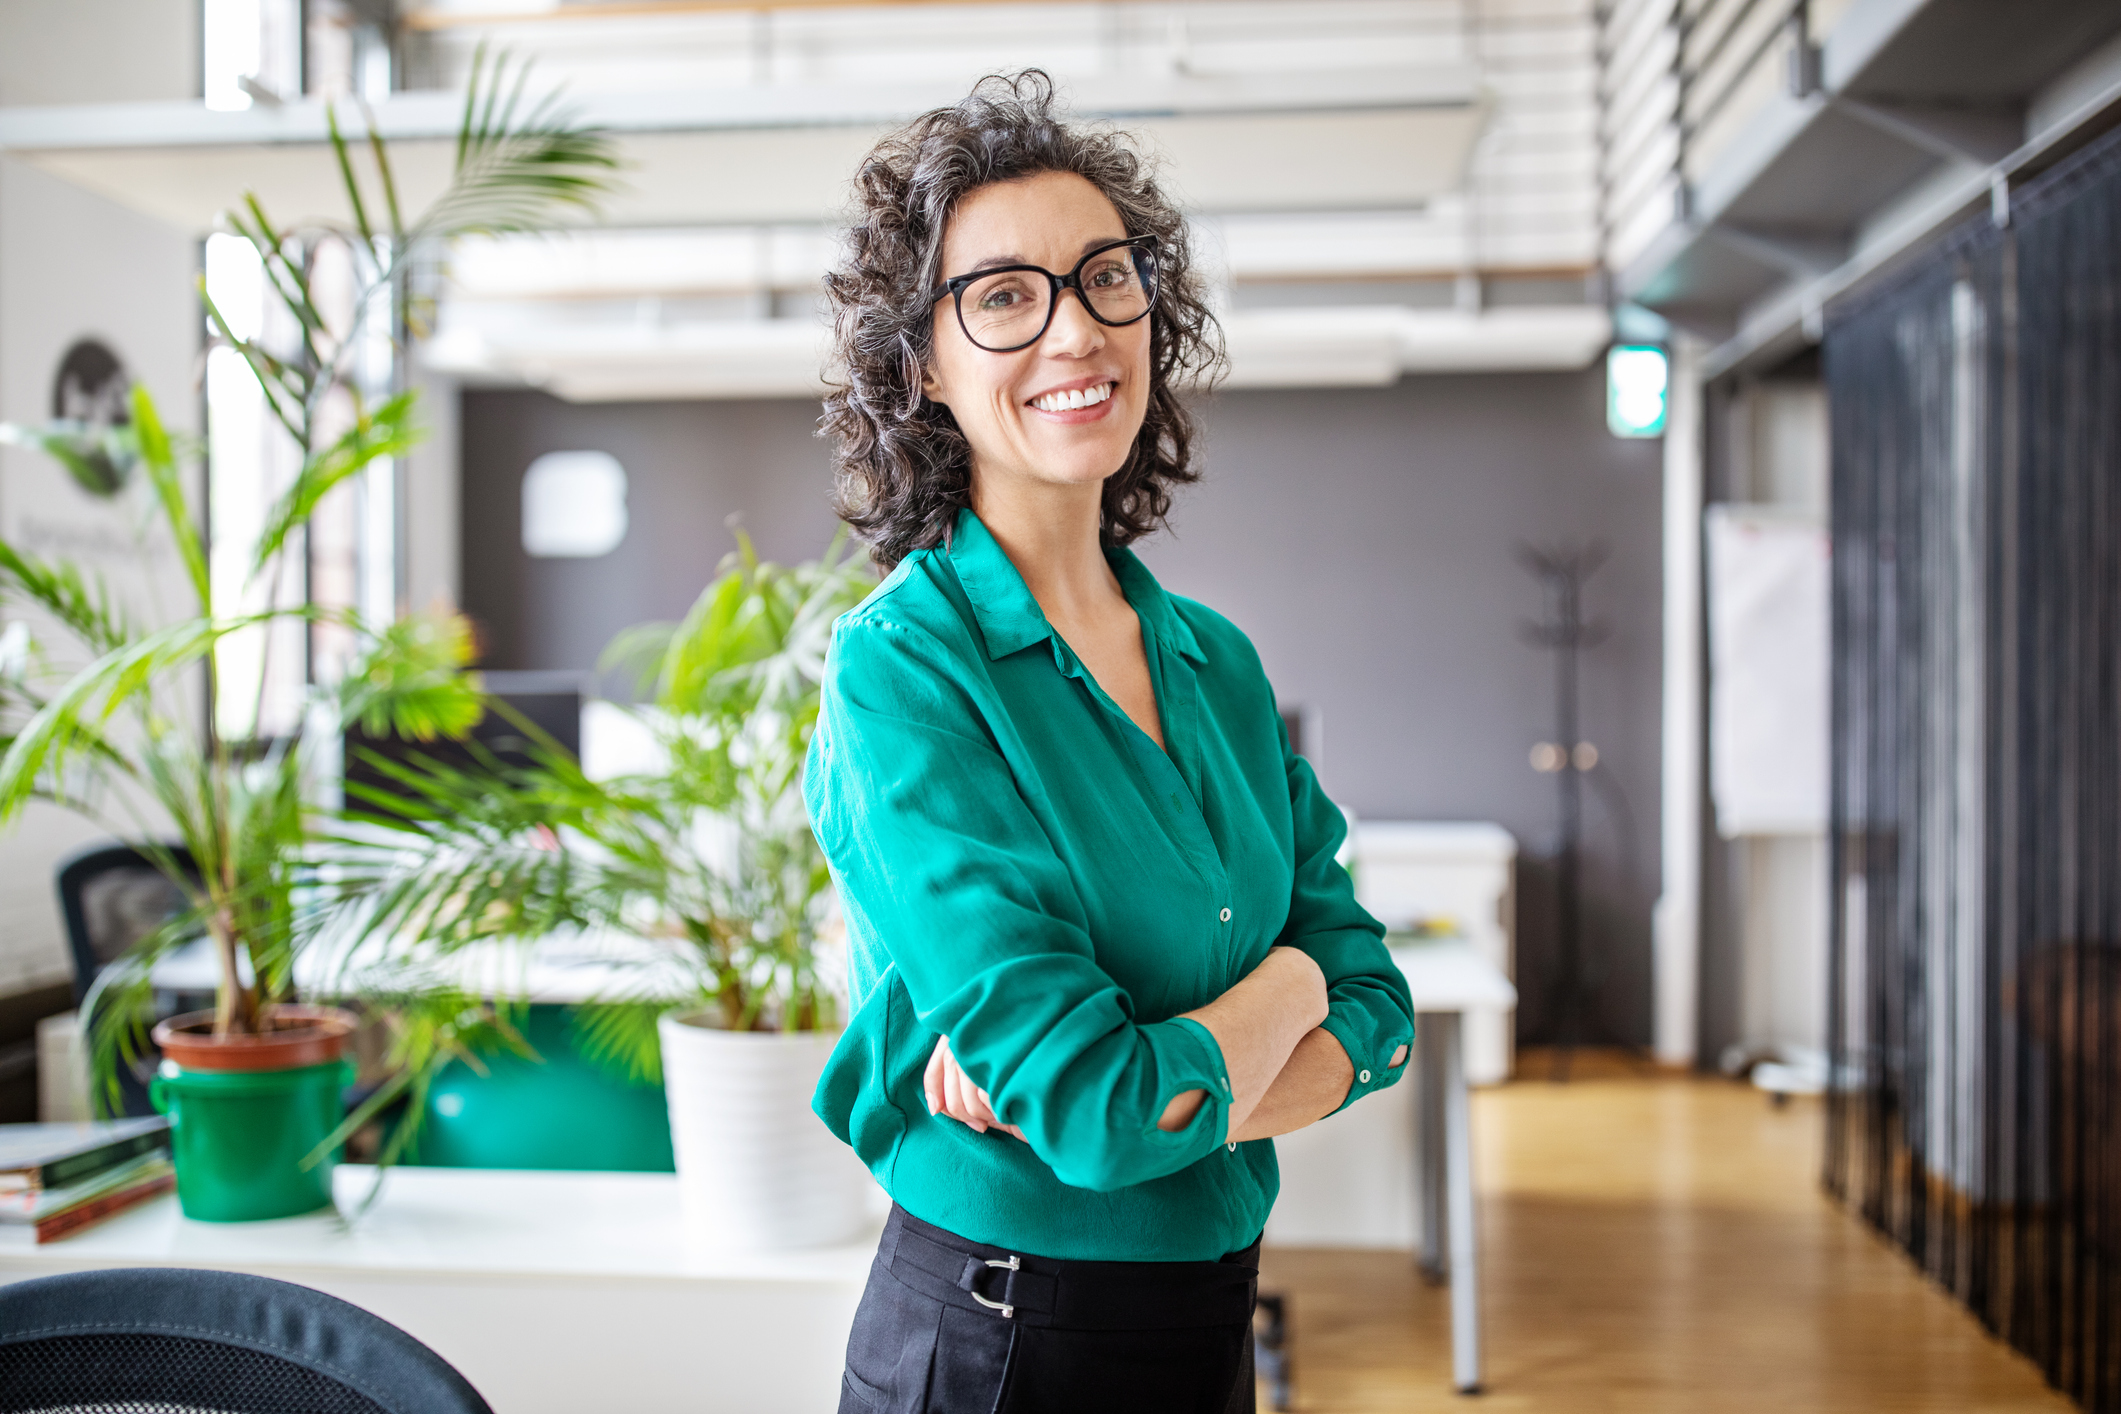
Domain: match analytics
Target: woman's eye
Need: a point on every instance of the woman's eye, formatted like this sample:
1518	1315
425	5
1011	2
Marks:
1109	277
1001	299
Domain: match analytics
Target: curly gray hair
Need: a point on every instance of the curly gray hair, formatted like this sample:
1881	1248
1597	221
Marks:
903	466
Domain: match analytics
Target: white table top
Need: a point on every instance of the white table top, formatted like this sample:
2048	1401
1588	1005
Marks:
457	1221
1444	974
1449	974
563	968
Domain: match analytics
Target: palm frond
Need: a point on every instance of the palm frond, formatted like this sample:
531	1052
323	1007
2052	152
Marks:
385	432
159	455
431	1028
61	590
639	652
100	459
514	173
621	1037
414	680
69	728
346	175
119	1009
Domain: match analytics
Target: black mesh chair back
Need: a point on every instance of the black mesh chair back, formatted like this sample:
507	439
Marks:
112	897
163	1340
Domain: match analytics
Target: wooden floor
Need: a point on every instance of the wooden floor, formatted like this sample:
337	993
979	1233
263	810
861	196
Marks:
1650	1243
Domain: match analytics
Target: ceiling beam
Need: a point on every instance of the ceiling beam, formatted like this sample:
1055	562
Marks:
416	115
427	17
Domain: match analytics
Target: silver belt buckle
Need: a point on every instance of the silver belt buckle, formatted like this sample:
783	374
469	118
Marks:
1014	1263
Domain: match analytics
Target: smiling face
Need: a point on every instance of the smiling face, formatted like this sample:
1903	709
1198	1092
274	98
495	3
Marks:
1065	411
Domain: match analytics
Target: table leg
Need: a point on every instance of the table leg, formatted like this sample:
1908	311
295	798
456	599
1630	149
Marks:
1458	1197
1429	1146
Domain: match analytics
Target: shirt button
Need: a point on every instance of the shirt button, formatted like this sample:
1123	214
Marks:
1226	915
1365	1077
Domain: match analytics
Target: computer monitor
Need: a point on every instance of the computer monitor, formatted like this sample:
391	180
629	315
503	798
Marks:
550	701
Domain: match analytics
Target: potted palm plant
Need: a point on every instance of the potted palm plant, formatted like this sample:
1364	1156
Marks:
702	868
103	715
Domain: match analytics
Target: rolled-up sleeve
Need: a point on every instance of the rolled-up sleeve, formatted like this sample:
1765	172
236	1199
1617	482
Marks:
1369	1010
940	861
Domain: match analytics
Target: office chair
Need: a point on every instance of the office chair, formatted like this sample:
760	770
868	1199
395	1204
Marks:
112	896
170	1338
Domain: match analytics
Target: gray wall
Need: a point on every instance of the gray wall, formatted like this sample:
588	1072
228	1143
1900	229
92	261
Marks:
1363	538
690	467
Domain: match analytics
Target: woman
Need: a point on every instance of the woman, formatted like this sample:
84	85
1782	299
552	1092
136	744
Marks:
1101	951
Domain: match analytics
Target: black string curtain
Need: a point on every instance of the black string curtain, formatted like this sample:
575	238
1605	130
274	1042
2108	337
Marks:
1975	990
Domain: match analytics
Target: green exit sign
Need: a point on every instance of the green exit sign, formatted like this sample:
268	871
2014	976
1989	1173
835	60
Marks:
1638	386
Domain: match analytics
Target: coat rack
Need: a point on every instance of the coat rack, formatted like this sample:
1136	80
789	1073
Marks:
1562	570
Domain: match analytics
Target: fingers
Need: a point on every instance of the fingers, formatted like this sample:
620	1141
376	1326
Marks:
986	1113
949	1091
957	1092
932	1077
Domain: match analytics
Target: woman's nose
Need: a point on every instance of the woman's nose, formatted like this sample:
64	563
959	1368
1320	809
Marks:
1073	331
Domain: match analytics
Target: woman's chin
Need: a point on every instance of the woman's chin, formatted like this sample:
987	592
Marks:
1078	460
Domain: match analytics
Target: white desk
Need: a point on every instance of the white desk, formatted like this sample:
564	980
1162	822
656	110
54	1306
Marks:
529	1223
568	968
1448	979
553	1293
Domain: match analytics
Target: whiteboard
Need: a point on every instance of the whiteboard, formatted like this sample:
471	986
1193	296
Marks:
1769	588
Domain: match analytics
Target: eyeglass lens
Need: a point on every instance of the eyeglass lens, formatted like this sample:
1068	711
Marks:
1010	308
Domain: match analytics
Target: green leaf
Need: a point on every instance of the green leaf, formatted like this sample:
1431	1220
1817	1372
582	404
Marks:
381	149
413	682
119	1010
385	432
68	728
61	591
99	459
159	456
621	1037
346	173
516	174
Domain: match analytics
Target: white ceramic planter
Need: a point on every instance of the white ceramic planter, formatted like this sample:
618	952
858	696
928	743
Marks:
757	1170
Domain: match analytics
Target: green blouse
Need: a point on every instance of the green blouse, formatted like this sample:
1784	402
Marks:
1023	871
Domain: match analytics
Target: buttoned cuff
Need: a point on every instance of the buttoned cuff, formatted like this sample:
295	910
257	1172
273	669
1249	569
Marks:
1188	1057
1370	1041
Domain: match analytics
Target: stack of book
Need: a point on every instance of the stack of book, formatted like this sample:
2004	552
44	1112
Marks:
56	1178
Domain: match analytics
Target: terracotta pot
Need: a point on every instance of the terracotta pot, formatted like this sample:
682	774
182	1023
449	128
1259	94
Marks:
301	1036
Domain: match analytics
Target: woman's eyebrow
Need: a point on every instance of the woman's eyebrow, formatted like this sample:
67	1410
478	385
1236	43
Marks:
1014	259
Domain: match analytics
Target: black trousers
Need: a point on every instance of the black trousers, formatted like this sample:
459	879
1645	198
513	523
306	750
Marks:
948	1326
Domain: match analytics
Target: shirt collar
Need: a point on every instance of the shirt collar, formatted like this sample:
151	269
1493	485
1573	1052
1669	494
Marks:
1154	606
1010	619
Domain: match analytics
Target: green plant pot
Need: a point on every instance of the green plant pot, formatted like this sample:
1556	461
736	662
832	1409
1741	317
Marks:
239	1138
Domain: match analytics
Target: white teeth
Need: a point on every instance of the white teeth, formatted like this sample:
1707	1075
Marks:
1073	398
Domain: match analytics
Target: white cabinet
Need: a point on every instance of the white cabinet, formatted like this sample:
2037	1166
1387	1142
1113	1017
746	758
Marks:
1459	878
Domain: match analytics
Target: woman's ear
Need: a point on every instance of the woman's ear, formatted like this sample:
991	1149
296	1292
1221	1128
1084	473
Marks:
930	389
917	372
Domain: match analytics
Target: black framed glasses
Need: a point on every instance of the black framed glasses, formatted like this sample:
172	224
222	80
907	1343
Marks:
1010	306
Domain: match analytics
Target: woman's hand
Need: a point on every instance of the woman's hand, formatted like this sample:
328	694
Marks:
1302	974
1258	1024
951	1092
